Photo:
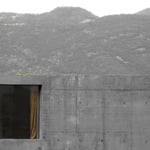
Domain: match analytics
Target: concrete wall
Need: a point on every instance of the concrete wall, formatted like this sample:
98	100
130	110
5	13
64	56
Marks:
79	112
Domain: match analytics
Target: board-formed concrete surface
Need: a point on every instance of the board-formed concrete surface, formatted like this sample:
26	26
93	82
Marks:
89	112
11	144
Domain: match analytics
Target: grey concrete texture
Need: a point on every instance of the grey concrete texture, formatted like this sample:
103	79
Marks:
90	112
18	144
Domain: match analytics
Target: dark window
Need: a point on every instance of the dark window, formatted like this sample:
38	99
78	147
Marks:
19	111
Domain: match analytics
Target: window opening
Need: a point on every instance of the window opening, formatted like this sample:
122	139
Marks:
19	111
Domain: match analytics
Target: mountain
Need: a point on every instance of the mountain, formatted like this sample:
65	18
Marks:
71	40
144	12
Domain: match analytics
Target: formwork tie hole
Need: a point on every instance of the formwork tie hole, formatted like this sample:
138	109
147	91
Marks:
39	148
146	141
80	102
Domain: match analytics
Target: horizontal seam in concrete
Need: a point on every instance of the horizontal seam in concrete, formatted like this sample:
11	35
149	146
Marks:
100	89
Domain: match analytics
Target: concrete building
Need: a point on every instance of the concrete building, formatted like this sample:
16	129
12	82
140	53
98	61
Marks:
75	112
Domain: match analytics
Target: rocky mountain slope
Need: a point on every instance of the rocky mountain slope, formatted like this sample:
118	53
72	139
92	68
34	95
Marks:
72	40
144	12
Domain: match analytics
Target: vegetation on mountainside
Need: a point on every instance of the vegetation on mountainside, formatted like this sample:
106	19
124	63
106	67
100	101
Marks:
72	40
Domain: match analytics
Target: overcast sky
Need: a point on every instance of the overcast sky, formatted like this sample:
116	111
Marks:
97	7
